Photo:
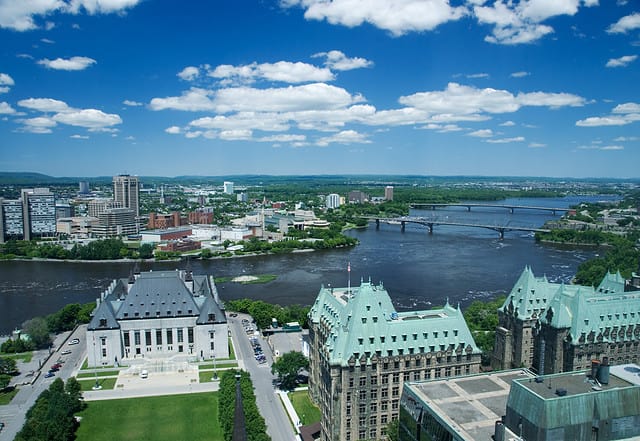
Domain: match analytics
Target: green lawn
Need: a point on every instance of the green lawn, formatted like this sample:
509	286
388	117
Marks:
106	383
88	374
219	365
174	417
306	410
23	356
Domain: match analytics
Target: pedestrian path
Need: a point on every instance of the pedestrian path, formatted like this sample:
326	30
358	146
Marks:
293	415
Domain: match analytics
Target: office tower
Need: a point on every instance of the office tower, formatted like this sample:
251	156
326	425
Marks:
126	192
38	213
333	200
388	193
84	187
228	187
11	224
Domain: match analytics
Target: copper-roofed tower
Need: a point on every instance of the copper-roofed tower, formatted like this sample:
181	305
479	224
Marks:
362	350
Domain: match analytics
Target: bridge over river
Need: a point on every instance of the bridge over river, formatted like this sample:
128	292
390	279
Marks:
511	208
430	223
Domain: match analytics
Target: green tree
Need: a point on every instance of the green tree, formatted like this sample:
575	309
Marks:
146	251
287	368
393	430
8	366
38	332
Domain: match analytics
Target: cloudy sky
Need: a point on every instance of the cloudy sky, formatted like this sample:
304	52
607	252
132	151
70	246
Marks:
429	87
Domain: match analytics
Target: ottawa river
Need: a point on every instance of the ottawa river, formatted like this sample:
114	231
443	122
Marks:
418	269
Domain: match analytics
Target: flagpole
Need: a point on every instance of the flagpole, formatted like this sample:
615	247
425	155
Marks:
349	277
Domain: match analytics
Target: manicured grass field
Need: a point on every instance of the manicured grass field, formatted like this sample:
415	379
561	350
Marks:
306	410
172	417
99	373
106	383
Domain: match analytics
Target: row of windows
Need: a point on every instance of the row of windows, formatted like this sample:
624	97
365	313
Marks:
394	338
362	431
411	375
362	408
169	339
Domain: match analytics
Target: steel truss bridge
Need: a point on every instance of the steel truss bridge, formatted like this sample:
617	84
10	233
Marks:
430	223
511	208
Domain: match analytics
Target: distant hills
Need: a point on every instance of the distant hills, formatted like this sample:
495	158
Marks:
39	179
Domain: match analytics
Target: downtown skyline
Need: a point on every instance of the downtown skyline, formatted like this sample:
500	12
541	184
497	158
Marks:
290	87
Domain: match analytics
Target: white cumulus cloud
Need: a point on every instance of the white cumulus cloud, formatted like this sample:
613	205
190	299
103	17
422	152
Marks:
621	115
195	99
337	60
189	73
344	137
520	74
6	109
5	82
483	133
396	16
625	24
622	61
19	15
88	118
283	71
45	105
73	63
506	140
132	103
173	130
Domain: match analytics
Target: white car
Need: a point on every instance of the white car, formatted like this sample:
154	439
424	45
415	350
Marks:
75	341
144	374
65	352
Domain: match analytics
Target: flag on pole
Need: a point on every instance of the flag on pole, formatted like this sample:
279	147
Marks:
349	267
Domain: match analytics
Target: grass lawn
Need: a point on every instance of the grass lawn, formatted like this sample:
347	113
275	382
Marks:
6	397
308	412
206	376
174	417
23	356
106	383
219	365
100	374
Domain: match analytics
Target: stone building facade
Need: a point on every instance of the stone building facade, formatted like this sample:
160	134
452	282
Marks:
158	315
362	351
554	327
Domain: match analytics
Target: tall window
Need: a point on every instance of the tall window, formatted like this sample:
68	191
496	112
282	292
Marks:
180	335
159	336
136	337
190	335
170	336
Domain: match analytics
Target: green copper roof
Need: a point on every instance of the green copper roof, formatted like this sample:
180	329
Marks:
361	321
605	310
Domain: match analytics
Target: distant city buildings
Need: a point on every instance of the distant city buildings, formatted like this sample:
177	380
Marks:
555	327
116	222
333	200
176	219
357	197
161	317
362	351
31	216
83	187
388	193
126	192
227	187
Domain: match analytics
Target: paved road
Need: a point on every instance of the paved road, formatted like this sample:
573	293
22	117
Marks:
13	414
279	427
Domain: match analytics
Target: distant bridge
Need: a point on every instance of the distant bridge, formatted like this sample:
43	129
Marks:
511	208
430	223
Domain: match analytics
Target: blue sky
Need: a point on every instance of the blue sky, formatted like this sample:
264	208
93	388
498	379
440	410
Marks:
429	87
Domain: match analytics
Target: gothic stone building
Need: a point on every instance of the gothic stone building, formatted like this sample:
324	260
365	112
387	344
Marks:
158	315
555	327
362	351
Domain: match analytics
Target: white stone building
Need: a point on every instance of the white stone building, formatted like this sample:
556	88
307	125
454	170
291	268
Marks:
158	315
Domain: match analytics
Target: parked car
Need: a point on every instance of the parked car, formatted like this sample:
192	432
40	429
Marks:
56	366
144	374
75	341
49	374
65	352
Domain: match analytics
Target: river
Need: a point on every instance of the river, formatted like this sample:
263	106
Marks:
418	269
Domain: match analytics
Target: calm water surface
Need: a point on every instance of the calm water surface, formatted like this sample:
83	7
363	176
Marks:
417	268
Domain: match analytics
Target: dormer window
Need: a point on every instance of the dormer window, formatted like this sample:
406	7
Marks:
103	322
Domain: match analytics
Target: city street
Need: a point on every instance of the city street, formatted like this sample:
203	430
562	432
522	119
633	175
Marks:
279	427
32	373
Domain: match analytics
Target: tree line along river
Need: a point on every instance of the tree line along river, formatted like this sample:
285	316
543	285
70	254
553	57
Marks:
418	269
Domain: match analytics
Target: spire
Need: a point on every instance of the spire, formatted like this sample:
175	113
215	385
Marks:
132	278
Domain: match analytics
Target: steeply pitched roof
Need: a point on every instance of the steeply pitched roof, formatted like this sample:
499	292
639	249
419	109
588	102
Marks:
362	321
158	294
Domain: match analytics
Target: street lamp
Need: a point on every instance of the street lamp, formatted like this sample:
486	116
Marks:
96	386
213	353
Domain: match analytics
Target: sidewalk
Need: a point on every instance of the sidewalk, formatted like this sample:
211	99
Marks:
293	415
